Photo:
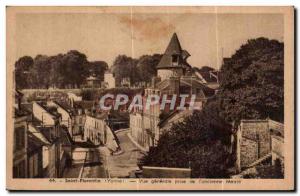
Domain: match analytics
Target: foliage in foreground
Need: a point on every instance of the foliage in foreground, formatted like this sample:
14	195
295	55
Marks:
251	85
198	142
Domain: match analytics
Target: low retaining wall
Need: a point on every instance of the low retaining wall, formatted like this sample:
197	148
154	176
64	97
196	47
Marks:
165	172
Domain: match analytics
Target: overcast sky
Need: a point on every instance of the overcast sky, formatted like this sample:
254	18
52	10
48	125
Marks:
104	36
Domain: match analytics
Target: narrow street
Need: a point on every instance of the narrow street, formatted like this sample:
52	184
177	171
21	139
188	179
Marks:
120	165
87	162
96	161
94	164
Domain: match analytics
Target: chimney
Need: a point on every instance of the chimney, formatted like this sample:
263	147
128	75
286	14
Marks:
174	85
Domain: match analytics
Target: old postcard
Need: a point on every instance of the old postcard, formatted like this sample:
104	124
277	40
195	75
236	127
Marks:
150	98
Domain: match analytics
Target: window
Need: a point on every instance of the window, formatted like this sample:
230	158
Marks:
19	170
19	138
31	167
174	59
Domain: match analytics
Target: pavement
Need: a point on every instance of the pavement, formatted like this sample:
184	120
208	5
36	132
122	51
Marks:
97	162
94	164
120	165
77	163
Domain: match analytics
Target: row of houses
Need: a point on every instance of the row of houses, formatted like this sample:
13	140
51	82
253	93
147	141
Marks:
42	144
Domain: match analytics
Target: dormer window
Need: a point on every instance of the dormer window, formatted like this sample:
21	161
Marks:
175	59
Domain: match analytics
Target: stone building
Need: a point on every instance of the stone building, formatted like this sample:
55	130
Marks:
109	80
95	128
277	141
20	145
97	131
20	139
174	77
258	140
47	120
35	156
66	113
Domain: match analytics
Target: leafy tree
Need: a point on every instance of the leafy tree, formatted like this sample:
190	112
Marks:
60	71
198	142
251	85
73	69
56	76
22	70
278	171
40	72
147	66
138	70
125	67
204	69
98	68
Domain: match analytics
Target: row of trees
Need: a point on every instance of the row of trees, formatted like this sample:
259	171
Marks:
61	71
71	69
137	70
251	87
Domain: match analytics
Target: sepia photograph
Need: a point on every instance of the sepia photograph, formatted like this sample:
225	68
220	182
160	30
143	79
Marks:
150	98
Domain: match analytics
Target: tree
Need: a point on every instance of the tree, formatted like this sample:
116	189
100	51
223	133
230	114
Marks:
197	142
278	171
58	71
22	70
98	68
204	69
73	70
251	85
125	67
138	70
40	72
147	66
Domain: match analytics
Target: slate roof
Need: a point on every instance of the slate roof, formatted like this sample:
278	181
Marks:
51	109
208	92
34	143
46	131
27	106
174	48
20	112
65	106
209	76
35	130
65	136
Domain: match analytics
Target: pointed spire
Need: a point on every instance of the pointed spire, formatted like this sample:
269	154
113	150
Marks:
174	46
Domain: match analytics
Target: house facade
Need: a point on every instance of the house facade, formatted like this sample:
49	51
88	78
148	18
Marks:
35	156
65	112
95	129
174	77
109	80
49	125
20	144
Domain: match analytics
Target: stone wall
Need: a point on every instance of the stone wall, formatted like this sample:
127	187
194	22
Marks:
254	141
249	151
277	149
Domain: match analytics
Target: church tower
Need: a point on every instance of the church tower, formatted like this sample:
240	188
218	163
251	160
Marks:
173	62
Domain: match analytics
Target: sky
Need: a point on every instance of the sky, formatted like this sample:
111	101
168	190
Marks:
103	36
